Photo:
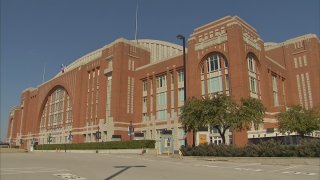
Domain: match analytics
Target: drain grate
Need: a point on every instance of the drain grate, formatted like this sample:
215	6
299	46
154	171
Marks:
69	176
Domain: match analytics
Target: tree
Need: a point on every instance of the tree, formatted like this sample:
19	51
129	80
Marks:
251	112
298	119
192	115
225	113
221	112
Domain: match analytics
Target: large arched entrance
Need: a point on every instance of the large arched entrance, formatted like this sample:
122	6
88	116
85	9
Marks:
56	118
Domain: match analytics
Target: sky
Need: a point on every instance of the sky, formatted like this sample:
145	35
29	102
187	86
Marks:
47	33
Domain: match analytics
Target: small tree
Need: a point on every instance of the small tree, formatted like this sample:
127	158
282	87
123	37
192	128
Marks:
298	119
220	112
251	112
225	113
192	115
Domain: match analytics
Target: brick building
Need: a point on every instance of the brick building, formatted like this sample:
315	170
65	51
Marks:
141	83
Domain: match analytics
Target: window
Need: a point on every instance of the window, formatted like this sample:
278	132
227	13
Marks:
144	116
253	76
56	110
214	85
253	85
144	85
161	115
213	63
181	76
214	75
161	81
275	90
144	102
181	94
202	88
251	64
162	99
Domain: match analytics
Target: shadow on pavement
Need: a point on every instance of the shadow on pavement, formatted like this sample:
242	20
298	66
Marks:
124	168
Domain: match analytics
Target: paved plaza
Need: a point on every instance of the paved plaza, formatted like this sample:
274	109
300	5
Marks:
90	166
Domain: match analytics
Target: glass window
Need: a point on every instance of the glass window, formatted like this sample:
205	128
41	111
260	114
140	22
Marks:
181	94
214	85
275	90
144	85
161	81
162	99
180	76
251	64
253	85
213	63
162	114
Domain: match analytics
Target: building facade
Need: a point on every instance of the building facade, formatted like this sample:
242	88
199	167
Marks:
140	84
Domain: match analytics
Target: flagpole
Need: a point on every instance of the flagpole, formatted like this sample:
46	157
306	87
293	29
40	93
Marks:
136	32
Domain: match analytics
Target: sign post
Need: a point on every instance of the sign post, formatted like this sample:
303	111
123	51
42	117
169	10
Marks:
98	136
130	130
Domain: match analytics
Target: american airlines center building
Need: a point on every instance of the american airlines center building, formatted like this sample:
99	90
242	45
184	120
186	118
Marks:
140	84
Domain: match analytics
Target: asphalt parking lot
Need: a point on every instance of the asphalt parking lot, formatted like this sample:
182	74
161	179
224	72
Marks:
57	166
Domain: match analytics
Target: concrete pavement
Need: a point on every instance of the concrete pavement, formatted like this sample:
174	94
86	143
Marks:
93	166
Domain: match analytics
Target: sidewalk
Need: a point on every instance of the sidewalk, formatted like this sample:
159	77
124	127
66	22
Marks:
12	150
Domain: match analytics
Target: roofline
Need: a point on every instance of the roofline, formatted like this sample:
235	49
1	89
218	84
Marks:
291	41
224	20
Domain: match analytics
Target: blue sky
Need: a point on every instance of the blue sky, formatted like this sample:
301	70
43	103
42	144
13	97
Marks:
55	32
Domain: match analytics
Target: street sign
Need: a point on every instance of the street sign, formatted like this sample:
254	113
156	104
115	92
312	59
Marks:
98	135
130	131
70	137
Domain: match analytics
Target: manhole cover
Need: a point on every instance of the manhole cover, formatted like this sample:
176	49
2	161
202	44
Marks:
69	176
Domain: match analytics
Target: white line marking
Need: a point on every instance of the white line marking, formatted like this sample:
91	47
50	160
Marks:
25	168
311	174
208	165
283	169
30	170
244	165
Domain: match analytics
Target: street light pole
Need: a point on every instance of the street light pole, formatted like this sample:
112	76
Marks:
184	76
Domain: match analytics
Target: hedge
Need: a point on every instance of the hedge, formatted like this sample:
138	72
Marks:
100	145
307	148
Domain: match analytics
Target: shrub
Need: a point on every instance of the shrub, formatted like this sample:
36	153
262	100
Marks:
307	148
100	145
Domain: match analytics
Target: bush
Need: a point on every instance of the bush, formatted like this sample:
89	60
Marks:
100	145
307	148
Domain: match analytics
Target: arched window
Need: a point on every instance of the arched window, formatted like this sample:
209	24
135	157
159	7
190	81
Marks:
253	76
214	75
57	112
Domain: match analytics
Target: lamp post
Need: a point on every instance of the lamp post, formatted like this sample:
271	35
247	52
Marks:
181	37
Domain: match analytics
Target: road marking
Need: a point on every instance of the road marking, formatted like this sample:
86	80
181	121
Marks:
283	169
69	176
208	165
249	169
252	164
299	173
23	168
13	171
